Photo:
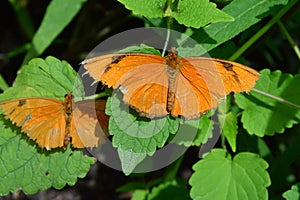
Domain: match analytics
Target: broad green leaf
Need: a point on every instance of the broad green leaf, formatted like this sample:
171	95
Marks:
46	78
265	115
245	14
23	164
229	128
136	134
136	137
198	13
169	190
218	176
58	15
151	9
293	193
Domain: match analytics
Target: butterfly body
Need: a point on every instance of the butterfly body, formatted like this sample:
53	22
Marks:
156	86
53	123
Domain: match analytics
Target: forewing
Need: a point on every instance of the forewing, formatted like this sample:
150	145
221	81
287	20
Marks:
85	127
145	88
42	119
109	69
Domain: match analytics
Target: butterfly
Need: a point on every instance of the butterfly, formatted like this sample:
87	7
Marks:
54	123
156	86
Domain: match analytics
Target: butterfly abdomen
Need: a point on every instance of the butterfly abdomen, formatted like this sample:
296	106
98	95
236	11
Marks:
68	108
172	75
172	69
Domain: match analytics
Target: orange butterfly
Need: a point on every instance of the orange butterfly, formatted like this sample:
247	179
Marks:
53	123
156	86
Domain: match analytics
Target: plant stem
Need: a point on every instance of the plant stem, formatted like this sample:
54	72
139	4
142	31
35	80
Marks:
289	38
262	31
172	169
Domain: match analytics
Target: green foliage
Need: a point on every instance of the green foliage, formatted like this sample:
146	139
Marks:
45	78
198	13
217	176
293	193
24	165
151	9
58	15
167	189
229	128
215	34
272	115
270	108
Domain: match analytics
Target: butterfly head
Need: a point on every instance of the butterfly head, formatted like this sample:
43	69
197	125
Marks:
173	61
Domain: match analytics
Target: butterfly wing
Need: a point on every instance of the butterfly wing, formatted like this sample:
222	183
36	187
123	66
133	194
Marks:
42	119
203	82
109	69
85	128
145	88
142	78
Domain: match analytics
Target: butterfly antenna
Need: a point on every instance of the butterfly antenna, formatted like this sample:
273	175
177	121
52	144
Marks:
282	100
166	42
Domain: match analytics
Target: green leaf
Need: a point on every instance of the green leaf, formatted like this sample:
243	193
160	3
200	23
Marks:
136	134
46	78
198	13
245	14
129	160
139	195
58	15
205	129
142	49
151	9
229	128
23	164
217	176
265	115
136	137
292	194
131	186
169	190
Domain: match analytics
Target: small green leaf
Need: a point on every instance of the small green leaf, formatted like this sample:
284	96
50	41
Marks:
129	160
229	128
142	49
139	195
265	115
217	176
57	17
205	129
293	193
151	9
198	13
169	190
